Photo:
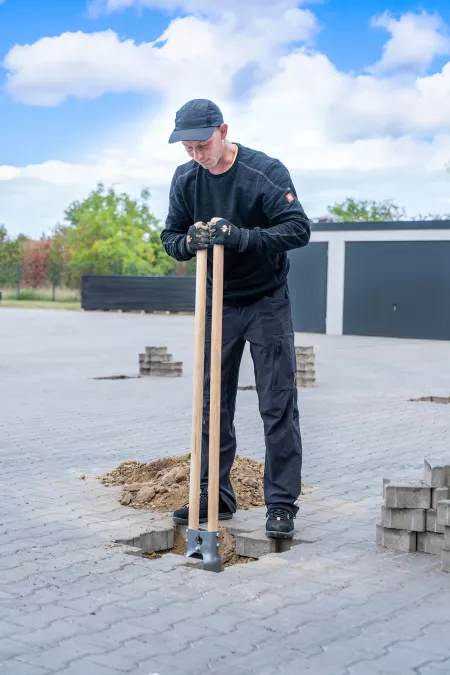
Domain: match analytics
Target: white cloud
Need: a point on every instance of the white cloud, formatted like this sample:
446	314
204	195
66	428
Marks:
416	39
207	7
87	65
339	134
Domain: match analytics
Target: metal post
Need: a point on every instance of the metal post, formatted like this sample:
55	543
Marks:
19	270
53	283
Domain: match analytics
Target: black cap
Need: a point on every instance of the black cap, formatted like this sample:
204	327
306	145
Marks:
196	121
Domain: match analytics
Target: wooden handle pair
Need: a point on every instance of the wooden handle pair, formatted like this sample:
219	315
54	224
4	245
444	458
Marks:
215	385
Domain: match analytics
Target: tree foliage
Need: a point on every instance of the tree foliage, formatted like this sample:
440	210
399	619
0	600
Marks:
11	254
35	263
363	210
11	250
111	233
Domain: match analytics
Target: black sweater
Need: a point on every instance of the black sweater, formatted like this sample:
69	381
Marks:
255	194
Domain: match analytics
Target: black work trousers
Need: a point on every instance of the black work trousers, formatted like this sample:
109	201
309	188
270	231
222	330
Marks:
267	326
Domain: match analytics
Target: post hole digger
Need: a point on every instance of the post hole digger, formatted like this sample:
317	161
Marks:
203	543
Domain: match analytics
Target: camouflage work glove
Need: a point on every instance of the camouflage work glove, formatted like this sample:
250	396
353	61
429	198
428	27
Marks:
198	237
224	233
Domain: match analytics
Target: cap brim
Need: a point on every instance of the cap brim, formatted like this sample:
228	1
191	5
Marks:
192	134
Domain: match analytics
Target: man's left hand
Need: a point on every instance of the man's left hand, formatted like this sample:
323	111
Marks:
224	233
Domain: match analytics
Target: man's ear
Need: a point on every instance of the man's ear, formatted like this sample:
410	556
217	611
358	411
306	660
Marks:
223	131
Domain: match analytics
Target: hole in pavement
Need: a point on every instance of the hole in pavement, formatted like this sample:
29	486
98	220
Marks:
248	387
235	548
430	399
227	548
118	377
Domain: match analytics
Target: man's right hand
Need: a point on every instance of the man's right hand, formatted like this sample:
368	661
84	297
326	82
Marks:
198	237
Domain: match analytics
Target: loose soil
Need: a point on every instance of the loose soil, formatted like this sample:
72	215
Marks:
227	549
163	485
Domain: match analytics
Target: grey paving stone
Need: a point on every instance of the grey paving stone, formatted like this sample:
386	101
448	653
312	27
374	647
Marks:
51	634
125	657
268	655
430	542
434	639
370	668
400	658
222	621
13	667
334	656
256	544
10	648
439	494
443	513
118	633
85	666
445	558
431	522
199	656
409	495
396	540
225	670
435	668
446	542
8	629
60	655
403	519
436	473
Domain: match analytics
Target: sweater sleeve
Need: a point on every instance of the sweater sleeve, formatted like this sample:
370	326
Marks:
178	221
289	227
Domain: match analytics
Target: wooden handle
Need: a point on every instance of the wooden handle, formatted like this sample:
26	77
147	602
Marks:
197	394
216	372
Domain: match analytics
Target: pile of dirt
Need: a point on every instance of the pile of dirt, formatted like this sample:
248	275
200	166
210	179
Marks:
163	485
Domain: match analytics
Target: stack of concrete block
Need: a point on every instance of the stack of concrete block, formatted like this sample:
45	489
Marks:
444	517
157	362
305	364
413	517
437	476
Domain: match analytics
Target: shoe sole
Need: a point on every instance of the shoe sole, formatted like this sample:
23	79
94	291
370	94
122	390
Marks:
182	521
279	535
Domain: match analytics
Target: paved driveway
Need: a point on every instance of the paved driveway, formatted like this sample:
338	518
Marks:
337	606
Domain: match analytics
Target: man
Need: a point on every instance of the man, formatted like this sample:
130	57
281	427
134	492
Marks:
240	198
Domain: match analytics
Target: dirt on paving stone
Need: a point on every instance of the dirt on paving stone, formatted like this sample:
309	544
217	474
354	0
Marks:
163	485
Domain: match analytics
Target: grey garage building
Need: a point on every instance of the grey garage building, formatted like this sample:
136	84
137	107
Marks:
378	279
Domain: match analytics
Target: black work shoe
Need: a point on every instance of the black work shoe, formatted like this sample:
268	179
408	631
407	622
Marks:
280	523
181	516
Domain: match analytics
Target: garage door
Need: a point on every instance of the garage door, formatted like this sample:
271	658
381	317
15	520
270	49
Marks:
308	287
397	289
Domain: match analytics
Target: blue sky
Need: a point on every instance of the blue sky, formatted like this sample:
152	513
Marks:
57	131
346	37
71	130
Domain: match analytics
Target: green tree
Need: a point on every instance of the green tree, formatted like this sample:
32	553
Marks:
362	210
11	250
111	233
11	253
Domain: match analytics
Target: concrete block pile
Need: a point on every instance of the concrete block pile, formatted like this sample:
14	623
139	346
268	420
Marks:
415	515
305	364
157	362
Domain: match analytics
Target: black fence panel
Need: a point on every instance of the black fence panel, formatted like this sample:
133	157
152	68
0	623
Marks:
151	294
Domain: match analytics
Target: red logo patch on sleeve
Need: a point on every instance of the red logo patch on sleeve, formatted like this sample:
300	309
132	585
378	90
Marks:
290	197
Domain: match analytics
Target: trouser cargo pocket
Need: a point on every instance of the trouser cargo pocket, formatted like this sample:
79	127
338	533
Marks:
283	360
